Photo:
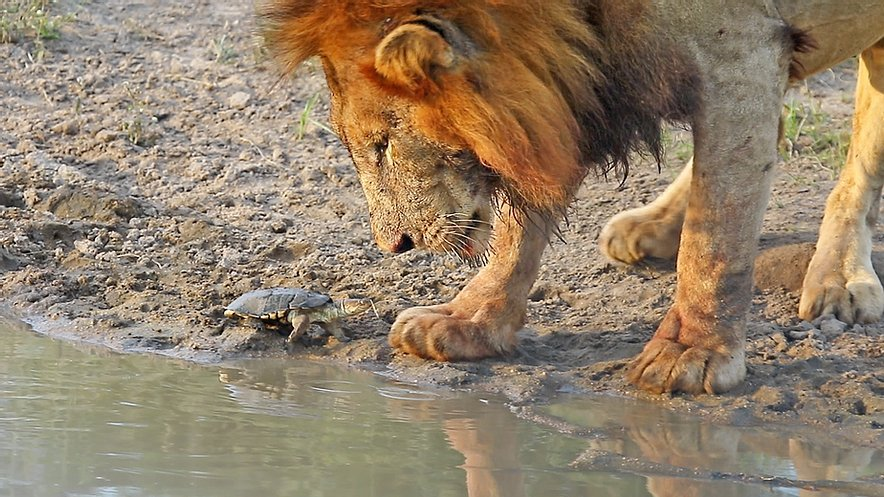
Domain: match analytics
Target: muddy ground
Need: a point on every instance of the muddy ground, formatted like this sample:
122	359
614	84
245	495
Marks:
153	168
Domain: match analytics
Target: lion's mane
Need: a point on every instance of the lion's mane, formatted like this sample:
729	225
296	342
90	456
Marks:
549	88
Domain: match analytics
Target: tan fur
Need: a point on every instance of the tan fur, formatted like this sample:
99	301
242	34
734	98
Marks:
840	279
650	231
452	108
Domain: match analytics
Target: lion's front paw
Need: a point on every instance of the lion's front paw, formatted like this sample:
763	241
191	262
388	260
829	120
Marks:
854	296
692	354
668	366
636	234
442	333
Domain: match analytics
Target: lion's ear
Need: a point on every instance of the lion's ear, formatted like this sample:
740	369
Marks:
414	56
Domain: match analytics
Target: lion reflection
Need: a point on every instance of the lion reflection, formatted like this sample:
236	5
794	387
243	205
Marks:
495	455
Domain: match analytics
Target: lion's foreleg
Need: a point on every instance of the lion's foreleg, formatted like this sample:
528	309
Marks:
699	345
840	279
482	320
650	231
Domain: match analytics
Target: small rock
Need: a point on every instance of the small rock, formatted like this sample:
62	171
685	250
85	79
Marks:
230	258
10	198
175	66
239	100
277	154
106	136
86	247
69	127
858	407
830	325
781	345
67	174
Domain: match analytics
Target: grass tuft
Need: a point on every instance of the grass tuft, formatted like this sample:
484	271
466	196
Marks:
23	19
306	119
810	132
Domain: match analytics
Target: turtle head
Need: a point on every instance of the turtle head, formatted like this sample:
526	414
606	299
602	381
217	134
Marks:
351	307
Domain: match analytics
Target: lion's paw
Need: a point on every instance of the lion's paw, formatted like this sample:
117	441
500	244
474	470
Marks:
857	298
636	234
668	366
441	333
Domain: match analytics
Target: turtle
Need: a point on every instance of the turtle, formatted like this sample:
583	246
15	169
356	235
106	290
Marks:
298	307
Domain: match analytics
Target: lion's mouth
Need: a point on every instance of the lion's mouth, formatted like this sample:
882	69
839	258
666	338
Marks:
469	237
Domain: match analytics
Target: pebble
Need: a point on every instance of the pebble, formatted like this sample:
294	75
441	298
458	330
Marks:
86	247
106	136
239	100
69	127
230	258
830	325
67	174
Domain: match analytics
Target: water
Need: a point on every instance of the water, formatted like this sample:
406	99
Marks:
77	420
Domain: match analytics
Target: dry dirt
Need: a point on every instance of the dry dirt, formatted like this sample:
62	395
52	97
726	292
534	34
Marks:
152	169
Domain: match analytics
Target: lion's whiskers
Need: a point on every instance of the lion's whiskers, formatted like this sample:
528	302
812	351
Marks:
457	235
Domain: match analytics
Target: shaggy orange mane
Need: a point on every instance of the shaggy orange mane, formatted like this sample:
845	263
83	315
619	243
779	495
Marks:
538	99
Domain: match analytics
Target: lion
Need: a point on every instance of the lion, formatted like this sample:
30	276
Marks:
471	123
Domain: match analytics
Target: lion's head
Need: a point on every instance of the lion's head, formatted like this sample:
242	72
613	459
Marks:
448	106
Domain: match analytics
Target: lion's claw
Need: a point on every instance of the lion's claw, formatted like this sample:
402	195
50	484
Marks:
668	366
633	235
438	333
856	300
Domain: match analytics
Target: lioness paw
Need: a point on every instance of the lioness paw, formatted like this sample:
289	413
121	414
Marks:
440	333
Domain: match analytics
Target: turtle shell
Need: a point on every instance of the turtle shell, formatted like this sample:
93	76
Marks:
272	303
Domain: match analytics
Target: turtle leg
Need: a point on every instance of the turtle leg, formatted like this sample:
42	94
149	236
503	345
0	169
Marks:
335	329
300	323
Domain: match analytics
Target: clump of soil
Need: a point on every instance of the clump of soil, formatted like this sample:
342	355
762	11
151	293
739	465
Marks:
152	169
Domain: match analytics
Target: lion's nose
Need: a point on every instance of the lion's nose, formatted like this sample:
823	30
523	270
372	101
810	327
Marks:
403	244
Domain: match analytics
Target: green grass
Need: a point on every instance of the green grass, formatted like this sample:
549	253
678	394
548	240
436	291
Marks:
136	126
306	119
30	19
678	145
810	132
223	50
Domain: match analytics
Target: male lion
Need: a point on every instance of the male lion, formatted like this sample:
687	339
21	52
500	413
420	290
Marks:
461	113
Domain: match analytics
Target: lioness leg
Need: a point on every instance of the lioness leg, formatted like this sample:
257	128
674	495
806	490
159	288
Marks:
650	231
483	318
699	345
840	279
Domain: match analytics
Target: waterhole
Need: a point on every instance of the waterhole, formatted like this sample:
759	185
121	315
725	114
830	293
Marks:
78	420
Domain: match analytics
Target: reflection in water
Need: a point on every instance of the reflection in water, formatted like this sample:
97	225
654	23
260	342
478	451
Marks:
85	421
683	457
78	420
439	442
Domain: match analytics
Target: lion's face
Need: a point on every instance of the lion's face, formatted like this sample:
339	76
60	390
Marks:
422	193
446	107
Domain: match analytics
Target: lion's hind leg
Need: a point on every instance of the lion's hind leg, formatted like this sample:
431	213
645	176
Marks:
650	231
840	280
